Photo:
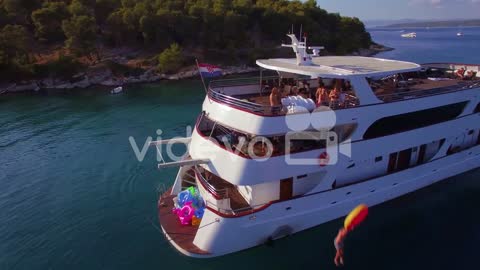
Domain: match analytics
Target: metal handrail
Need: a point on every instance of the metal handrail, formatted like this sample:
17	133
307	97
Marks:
240	81
243	104
216	86
270	110
429	92
213	190
221	193
235	211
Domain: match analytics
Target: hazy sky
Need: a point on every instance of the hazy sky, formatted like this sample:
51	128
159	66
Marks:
404	9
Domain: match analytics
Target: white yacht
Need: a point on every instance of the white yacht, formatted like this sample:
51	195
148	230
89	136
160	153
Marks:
409	35
267	171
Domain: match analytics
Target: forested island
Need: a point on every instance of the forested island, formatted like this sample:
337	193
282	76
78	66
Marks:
77	43
451	23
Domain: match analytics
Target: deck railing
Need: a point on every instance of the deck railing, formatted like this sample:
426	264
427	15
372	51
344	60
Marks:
397	96
240	81
352	101
219	91
236	212
222	195
217	193
244	104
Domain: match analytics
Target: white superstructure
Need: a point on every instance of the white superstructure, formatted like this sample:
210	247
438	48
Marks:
267	170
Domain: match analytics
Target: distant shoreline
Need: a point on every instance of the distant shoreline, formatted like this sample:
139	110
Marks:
417	27
435	24
107	79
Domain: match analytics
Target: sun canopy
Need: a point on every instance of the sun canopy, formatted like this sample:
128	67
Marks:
340	66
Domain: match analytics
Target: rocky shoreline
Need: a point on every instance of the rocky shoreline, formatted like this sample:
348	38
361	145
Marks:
108	79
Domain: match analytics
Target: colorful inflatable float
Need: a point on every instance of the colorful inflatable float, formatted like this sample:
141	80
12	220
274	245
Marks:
189	207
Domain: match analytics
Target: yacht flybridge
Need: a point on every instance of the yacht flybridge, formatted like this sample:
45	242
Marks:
272	156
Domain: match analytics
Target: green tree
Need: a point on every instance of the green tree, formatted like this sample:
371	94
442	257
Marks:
103	9
220	6
117	31
14	46
351	35
81	33
247	4
171	59
21	8
78	8
48	21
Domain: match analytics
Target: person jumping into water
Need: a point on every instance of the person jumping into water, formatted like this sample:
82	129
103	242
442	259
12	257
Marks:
338	242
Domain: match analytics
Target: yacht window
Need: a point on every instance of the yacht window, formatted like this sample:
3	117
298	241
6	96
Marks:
410	121
238	141
477	109
378	159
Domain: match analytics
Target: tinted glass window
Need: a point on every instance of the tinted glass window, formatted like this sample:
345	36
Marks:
409	121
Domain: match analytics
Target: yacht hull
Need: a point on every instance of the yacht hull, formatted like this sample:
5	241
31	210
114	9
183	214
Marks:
220	235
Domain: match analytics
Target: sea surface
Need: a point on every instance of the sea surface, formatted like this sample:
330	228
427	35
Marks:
74	196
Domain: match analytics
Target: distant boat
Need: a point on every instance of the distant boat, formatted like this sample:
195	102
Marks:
459	34
117	90
410	35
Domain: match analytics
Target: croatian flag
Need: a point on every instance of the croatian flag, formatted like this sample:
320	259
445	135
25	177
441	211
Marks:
209	71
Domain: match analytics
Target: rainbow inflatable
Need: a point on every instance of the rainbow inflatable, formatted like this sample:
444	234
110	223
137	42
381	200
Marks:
190	207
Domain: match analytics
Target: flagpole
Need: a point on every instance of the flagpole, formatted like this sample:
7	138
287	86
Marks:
201	76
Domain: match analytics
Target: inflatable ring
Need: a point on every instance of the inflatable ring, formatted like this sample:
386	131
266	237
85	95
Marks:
324	159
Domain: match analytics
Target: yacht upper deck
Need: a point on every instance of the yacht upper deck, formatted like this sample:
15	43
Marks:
252	94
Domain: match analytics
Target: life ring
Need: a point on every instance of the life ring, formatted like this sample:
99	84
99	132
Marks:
260	148
324	159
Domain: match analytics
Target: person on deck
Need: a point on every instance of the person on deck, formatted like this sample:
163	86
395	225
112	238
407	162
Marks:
460	73
339	245
321	95
335	93
275	98
303	92
469	76
334	97
294	91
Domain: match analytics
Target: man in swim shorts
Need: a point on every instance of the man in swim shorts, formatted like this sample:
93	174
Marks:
338	242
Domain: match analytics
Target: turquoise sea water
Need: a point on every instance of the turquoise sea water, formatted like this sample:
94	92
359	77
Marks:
74	196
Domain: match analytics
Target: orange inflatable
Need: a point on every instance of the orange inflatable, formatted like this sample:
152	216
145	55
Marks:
195	221
357	216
